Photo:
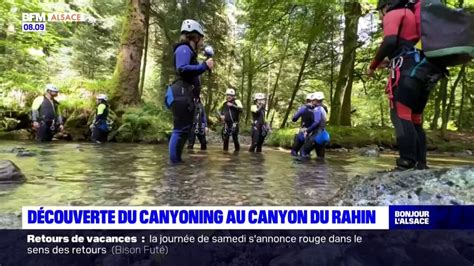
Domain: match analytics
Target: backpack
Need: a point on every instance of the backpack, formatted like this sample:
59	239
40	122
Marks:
447	35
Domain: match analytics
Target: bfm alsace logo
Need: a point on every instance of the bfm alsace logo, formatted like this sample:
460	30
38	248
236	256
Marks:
36	22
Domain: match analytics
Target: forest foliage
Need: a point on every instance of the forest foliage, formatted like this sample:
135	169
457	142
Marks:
284	49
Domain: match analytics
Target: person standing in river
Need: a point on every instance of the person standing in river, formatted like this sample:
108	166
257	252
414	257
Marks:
46	114
306	113
100	127
315	135
181	95
230	112
260	128
409	83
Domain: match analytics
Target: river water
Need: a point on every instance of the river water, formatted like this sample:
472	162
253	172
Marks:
135	174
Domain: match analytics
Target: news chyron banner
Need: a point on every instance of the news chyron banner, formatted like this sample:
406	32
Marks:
224	235
249	218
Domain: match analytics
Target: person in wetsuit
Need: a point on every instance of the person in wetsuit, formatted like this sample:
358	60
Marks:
306	113
46	114
410	82
100	127
318	125
182	94
260	128
230	112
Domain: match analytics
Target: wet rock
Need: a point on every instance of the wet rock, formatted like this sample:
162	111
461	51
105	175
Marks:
12	150
438	187
462	154
22	134
340	150
9	172
372	151
76	134
25	153
9	221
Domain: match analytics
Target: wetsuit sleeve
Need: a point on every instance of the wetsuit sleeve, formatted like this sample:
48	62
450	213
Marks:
253	109
35	108
100	112
183	55
392	22
257	110
238	105
317	120
298	114
101	109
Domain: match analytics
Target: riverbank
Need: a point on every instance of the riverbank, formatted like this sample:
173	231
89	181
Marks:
445	186
384	138
342	138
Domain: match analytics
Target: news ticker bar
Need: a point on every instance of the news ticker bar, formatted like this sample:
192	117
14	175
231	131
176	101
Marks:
248	218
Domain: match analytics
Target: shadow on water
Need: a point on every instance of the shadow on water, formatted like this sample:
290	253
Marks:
132	174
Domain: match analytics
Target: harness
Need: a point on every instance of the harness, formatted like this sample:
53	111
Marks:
198	125
232	130
395	70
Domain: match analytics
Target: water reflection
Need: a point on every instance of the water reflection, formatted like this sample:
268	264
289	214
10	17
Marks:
130	174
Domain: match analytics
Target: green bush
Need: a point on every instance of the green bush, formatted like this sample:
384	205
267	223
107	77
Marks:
282	137
147	124
348	137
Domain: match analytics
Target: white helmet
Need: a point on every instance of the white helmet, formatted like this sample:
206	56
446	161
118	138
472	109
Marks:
309	96
318	95
230	92
51	87
259	96
102	97
190	25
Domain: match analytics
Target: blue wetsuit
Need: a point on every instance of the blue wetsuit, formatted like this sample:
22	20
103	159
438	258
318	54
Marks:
319	123
306	113
185	90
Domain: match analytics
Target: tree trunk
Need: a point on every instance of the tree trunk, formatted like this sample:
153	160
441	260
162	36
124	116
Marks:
345	117
3	36
145	52
249	86
463	94
271	103
440	97
240	93
382	120
273	117
127	71
331	82
210	86
352	12
298	81
445	120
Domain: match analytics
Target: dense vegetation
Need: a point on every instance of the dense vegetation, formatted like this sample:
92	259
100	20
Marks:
282	48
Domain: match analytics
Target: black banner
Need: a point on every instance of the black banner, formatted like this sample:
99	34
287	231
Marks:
278	248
